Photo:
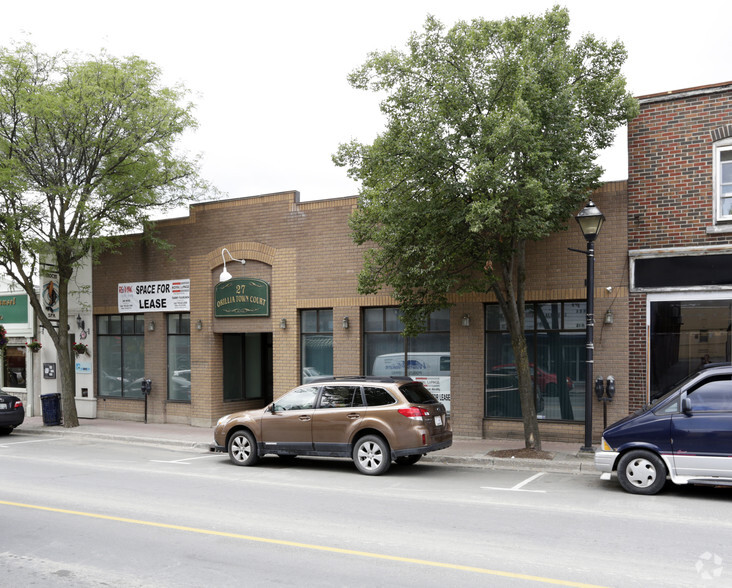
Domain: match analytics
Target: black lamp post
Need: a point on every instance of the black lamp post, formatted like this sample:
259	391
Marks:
590	220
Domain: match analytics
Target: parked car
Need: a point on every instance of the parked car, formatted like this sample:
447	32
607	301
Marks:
372	420
685	435
546	381
12	413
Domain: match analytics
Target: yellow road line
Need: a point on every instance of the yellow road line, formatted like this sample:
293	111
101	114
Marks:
421	562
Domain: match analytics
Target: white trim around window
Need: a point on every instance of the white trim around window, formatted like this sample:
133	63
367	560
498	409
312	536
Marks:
722	174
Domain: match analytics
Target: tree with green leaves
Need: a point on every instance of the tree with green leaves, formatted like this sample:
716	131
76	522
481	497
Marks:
87	151
492	130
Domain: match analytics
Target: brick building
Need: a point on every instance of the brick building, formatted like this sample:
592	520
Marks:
203	366
679	236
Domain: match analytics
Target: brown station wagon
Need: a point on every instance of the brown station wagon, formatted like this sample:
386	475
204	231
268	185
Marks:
372	420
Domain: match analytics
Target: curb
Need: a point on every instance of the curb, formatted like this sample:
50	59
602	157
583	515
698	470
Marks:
565	464
132	440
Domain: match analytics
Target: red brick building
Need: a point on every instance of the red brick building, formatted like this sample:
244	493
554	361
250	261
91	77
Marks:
679	236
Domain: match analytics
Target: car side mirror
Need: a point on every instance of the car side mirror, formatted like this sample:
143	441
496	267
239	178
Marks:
686	405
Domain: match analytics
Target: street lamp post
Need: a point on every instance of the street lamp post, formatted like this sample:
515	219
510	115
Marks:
590	220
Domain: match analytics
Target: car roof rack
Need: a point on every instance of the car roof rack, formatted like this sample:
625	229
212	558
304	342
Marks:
382	379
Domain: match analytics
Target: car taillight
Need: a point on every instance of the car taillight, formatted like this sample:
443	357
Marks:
413	412
18	404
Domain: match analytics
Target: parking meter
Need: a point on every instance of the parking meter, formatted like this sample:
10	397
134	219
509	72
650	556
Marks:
146	386
599	388
610	387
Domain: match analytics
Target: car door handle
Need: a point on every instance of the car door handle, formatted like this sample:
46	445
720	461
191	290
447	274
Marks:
304	417
354	415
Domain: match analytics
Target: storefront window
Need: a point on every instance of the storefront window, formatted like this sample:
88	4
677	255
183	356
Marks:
179	357
555	336
120	355
686	334
14	367
425	357
316	327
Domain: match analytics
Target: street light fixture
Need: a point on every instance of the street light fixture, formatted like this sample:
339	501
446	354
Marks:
590	220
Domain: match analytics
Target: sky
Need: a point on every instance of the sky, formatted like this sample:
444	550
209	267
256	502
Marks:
269	79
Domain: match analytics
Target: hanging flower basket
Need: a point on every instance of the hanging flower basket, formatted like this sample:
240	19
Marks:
80	349
34	346
3	338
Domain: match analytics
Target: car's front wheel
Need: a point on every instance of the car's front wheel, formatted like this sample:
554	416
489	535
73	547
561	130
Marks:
641	472
243	449
371	455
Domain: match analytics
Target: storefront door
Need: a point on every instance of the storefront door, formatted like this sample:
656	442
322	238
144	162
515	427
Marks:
248	366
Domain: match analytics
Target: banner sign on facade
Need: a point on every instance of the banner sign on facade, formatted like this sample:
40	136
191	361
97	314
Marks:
14	309
241	297
161	296
49	294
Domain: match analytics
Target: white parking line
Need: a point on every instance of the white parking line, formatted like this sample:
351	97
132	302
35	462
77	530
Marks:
34	441
180	461
519	487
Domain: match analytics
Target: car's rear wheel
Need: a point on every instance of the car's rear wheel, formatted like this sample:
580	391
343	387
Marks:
243	449
407	460
641	472
6	430
371	455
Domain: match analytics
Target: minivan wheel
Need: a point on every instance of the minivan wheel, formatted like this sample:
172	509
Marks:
641	472
243	449
371	455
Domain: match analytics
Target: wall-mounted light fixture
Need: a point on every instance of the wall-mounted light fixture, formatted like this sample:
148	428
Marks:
225	276
609	318
151	326
345	323
199	325
283	323
465	320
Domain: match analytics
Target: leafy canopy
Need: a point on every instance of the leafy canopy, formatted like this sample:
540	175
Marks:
86	151
492	129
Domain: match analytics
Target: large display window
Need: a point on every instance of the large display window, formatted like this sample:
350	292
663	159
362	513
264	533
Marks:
425	358
555	337
120	355
687	331
316	328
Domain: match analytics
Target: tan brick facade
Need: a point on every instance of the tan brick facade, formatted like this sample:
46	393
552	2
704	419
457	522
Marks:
305	252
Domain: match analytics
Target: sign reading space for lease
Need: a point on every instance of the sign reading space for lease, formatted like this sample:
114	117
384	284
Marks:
241	297
161	296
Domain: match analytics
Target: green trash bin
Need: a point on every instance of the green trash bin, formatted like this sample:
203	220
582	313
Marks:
51	408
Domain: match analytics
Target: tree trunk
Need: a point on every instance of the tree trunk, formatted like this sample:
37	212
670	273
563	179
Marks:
510	292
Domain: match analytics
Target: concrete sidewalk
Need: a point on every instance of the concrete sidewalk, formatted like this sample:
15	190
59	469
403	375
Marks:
566	457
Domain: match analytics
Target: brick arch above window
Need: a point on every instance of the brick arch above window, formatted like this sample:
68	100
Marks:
243	250
721	133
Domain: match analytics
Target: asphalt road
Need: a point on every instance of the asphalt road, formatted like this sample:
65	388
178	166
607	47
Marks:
81	513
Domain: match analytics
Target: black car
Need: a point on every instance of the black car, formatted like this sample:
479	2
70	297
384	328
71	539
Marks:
12	413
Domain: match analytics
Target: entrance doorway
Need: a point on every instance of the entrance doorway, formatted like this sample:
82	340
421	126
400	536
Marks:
248	366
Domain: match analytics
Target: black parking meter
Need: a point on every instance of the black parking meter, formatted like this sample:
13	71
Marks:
610	388
146	387
599	388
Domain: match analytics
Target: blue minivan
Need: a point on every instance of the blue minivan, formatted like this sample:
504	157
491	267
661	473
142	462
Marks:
685	435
